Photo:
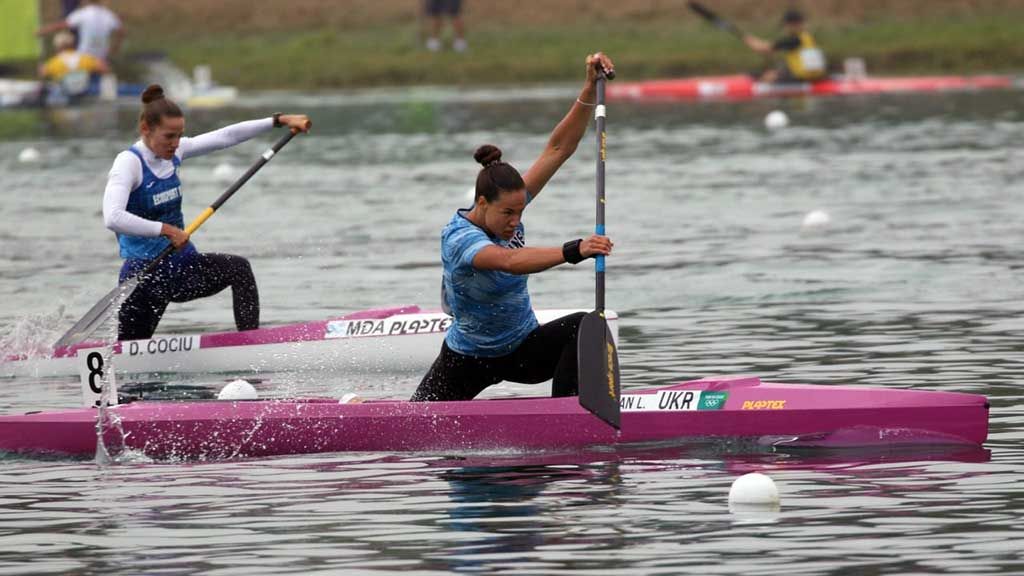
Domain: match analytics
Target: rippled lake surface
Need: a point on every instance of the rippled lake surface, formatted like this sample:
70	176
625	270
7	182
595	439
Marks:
914	283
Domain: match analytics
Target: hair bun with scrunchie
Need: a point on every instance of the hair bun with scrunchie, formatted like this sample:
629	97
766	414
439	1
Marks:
487	155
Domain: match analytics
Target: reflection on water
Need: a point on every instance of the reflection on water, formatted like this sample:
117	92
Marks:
914	283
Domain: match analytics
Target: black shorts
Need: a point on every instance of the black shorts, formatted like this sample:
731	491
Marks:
443	7
547	352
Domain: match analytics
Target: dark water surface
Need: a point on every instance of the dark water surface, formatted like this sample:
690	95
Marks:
915	283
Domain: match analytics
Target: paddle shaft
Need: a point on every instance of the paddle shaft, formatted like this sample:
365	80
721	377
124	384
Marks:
599	117
598	361
205	215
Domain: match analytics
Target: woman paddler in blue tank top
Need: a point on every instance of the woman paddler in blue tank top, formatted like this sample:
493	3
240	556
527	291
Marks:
494	334
142	205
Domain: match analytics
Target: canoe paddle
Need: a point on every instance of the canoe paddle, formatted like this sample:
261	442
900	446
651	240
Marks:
599	382
105	308
715	19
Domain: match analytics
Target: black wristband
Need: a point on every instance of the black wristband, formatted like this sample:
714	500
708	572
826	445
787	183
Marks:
571	251
277	120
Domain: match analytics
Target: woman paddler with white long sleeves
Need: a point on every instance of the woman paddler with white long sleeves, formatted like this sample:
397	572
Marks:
494	335
142	205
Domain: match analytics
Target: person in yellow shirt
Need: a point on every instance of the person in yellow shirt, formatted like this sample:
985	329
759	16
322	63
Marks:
802	59
69	70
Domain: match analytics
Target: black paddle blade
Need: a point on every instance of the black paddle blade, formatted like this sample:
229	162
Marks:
703	12
714	19
98	314
599	380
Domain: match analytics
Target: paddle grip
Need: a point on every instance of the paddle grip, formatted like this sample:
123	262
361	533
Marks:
609	75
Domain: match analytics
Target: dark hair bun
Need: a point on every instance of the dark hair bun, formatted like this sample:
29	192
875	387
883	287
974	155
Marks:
152	93
487	155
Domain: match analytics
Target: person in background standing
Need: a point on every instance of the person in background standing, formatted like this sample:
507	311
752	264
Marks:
99	30
436	10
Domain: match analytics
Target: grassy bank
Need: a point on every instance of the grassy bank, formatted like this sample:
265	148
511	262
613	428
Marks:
320	44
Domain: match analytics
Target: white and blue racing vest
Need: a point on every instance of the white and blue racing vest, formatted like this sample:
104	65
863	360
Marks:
156	199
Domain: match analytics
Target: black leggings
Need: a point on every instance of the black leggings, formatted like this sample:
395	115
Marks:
547	352
203	275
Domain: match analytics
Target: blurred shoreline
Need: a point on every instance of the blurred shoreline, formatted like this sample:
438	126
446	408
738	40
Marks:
330	44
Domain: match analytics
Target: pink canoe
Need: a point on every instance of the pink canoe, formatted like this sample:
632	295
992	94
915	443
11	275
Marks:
742	87
733	407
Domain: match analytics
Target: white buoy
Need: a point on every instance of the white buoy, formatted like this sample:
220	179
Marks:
754	489
29	155
776	120
471	194
350	398
238	390
816	219
223	171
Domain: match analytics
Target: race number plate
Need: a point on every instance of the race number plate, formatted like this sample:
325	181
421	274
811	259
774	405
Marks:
96	374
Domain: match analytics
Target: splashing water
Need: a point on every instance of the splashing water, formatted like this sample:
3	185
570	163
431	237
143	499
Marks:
105	419
32	336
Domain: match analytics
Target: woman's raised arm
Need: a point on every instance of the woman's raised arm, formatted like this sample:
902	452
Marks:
567	135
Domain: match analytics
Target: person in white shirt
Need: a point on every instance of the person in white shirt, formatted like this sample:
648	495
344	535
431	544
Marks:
99	30
142	205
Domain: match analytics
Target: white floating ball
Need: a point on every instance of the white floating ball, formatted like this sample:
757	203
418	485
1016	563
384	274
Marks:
223	171
776	120
816	219
238	390
29	155
754	489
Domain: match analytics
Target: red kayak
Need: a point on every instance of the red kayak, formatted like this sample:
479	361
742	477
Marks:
743	87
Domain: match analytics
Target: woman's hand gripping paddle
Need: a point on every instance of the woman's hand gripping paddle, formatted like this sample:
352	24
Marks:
109	304
599	383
